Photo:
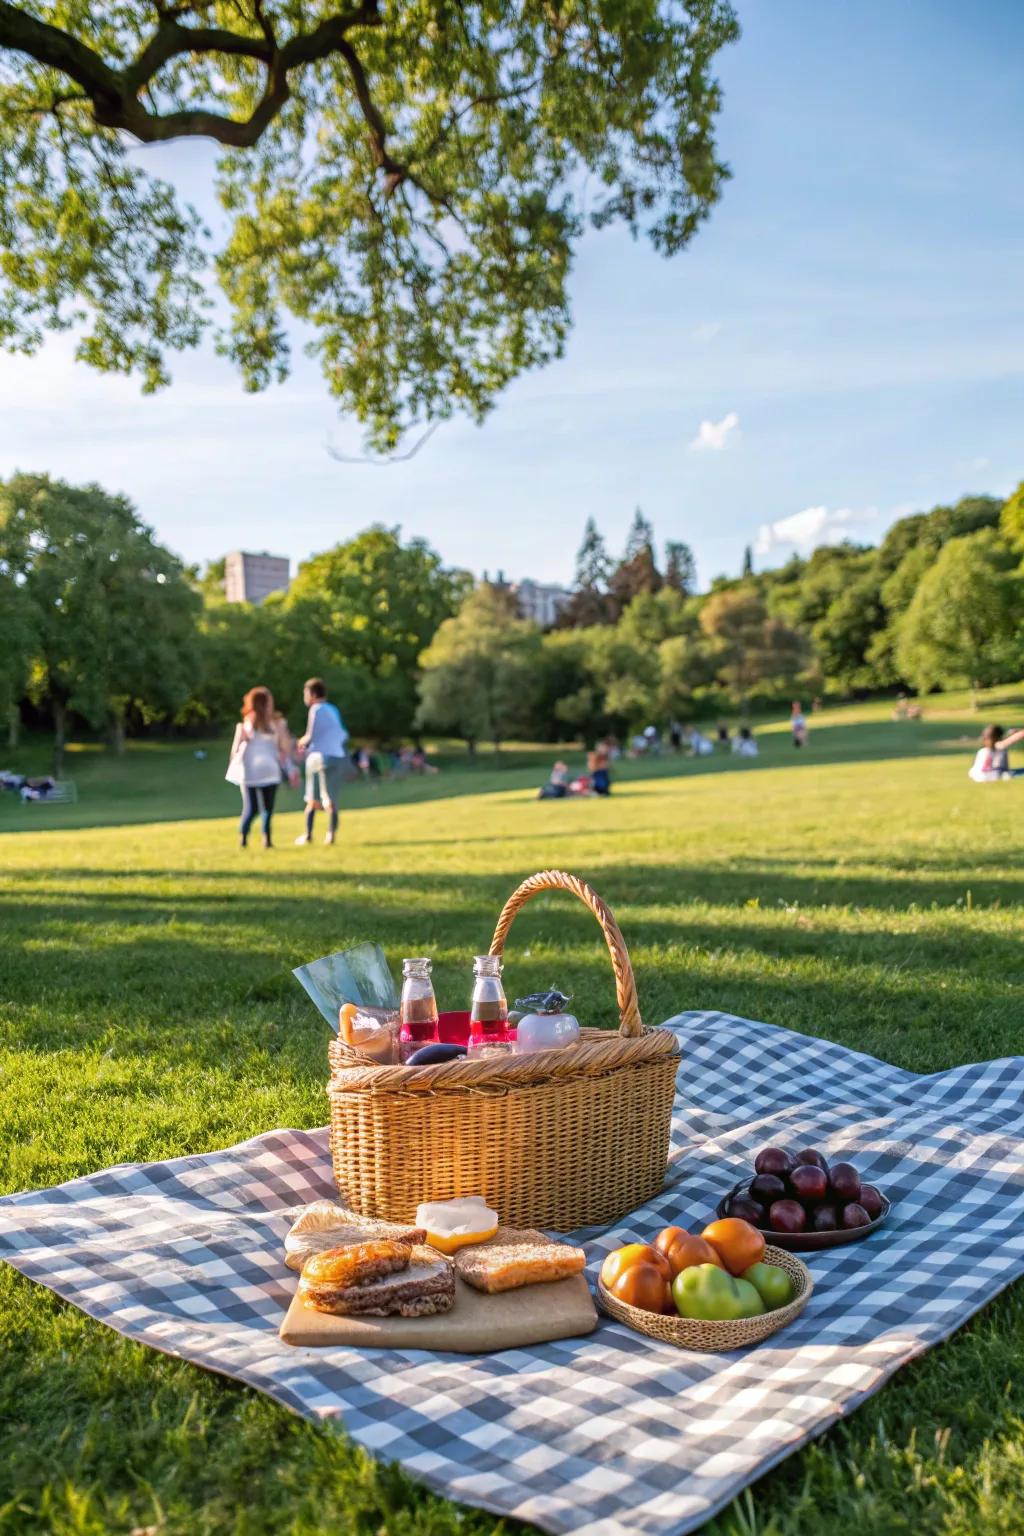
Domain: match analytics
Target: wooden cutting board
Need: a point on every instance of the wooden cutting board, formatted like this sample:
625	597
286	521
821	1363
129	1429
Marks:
477	1324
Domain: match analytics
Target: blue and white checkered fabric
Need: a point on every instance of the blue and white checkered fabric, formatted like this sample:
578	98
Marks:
614	1433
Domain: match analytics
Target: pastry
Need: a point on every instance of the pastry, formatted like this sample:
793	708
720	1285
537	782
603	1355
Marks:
517	1256
454	1224
324	1225
378	1279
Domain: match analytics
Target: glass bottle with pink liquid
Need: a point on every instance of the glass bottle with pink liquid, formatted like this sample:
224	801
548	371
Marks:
489	1031
417	1010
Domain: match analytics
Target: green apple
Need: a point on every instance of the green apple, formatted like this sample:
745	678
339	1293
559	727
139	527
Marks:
750	1296
772	1284
708	1293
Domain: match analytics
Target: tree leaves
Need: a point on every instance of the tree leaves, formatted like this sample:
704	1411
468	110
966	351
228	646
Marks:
407	182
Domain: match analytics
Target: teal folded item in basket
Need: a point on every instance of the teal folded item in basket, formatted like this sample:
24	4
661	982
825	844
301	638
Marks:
359	975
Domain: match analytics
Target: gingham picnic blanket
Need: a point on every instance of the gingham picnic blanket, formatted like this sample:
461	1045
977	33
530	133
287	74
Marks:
613	1433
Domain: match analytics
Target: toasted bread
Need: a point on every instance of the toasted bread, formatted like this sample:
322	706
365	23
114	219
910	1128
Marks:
517	1256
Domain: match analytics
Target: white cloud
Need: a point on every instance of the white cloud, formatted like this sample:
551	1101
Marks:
707	330
714	435
805	530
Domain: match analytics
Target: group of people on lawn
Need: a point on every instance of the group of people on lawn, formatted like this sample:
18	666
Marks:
686	739
264	754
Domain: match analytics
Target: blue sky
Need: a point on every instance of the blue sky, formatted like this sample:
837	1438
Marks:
842	343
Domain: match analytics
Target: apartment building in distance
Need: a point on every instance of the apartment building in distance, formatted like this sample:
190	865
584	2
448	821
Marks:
249	578
538	601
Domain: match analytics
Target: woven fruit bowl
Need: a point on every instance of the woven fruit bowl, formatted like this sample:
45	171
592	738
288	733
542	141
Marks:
715	1337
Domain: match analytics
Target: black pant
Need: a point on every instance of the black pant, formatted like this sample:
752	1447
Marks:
251	804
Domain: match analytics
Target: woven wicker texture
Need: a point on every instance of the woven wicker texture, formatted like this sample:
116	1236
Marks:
714	1337
558	1139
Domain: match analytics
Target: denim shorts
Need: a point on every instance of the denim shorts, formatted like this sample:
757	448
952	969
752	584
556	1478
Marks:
324	777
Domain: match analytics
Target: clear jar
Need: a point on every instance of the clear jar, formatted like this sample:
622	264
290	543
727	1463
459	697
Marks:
417	1009
489	1032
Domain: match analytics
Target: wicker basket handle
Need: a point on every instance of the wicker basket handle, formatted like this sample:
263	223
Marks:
558	880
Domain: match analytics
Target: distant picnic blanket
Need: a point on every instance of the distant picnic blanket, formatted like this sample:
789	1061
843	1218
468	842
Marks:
613	1433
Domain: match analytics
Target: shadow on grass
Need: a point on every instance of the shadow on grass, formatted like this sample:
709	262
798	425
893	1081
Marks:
205	975
296	895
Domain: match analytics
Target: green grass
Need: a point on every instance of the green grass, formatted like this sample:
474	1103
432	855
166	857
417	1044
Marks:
865	891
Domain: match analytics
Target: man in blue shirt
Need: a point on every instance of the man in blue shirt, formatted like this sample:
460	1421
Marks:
324	748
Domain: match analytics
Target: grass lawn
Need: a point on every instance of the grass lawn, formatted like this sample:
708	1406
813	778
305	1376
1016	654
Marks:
864	890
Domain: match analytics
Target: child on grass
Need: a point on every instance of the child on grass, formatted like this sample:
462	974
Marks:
992	760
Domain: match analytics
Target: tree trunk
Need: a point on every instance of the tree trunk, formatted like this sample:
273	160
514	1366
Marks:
117	734
974	695
59	729
13	727
471	745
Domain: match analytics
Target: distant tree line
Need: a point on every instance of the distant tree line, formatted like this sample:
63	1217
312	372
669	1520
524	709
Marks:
938	603
101	626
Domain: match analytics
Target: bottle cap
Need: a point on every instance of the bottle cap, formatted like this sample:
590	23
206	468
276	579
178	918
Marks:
543	1002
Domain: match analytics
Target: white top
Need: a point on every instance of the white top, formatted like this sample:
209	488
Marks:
324	731
261	764
989	766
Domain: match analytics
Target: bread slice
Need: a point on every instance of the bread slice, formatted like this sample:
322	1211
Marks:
425	1285
324	1225
517	1256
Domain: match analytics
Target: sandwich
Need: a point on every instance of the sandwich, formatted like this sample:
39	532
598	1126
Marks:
324	1225
383	1278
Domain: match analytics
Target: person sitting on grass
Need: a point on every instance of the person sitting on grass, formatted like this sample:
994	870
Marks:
697	744
598	766
743	743
324	747
557	786
992	760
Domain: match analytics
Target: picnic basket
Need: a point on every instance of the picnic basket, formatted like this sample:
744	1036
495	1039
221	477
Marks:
559	1139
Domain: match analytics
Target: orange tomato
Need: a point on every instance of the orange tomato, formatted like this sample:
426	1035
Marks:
622	1259
684	1249
642	1285
737	1243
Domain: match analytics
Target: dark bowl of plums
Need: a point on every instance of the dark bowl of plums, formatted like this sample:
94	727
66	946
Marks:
802	1203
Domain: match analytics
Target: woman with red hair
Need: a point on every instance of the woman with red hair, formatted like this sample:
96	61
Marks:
259	755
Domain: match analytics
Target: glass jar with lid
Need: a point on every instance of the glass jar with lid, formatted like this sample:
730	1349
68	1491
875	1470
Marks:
417	1009
489	1032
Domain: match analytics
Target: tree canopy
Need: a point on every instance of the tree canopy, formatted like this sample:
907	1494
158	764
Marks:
101	625
480	670
964	623
107	612
1011	520
405	180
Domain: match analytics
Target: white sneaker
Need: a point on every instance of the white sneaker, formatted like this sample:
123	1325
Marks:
300	841
329	839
